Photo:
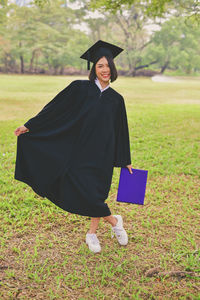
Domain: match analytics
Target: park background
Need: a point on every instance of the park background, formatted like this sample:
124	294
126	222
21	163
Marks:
42	249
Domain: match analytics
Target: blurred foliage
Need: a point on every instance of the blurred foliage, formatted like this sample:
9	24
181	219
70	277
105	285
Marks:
39	38
41	3
176	46
153	8
162	49
3	2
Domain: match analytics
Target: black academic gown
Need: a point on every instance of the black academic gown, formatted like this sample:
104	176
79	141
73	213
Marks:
71	148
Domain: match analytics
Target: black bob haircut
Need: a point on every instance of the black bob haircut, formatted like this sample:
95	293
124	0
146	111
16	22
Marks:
113	70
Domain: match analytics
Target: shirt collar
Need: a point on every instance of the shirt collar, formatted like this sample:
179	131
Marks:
99	85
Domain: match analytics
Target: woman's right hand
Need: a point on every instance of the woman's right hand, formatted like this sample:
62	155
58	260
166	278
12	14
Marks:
20	130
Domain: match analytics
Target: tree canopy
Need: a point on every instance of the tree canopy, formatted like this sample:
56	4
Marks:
153	8
51	38
35	39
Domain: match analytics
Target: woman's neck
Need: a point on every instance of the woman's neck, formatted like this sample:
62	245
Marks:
103	84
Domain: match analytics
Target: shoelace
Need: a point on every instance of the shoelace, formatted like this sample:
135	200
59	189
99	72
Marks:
117	231
94	239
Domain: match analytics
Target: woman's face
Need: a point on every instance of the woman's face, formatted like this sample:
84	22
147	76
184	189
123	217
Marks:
102	70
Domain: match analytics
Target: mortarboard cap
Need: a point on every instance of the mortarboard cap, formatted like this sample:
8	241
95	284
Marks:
100	49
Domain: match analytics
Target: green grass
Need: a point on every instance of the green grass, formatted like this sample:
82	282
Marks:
43	254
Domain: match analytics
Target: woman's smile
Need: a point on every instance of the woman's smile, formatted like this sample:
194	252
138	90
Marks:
106	75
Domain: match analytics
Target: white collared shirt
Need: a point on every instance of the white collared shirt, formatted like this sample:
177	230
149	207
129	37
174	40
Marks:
99	85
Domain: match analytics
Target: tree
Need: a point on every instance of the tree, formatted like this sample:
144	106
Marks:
43	37
176	46
127	29
153	8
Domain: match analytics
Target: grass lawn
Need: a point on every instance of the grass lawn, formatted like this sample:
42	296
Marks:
43	254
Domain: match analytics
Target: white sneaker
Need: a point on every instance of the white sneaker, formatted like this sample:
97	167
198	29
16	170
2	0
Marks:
93	242
119	231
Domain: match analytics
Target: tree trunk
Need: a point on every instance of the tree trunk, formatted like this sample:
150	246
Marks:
22	64
32	60
21	60
61	70
164	67
146	66
6	63
36	64
55	70
132	71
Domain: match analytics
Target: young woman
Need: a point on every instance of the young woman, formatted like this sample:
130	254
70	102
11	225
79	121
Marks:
67	152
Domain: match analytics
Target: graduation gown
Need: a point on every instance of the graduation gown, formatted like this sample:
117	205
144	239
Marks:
71	148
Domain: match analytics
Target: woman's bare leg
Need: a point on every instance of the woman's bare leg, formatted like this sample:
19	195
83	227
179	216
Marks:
94	225
111	219
95	222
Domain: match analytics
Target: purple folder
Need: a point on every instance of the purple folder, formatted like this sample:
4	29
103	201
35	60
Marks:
132	187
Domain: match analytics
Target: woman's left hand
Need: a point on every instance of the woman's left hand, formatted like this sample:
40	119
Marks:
130	168
20	130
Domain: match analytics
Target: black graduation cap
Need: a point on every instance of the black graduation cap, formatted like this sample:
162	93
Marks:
100	49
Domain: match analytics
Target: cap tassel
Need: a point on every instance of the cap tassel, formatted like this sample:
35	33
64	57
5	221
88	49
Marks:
88	65
88	60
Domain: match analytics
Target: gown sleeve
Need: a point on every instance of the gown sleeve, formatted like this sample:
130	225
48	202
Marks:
122	146
55	109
